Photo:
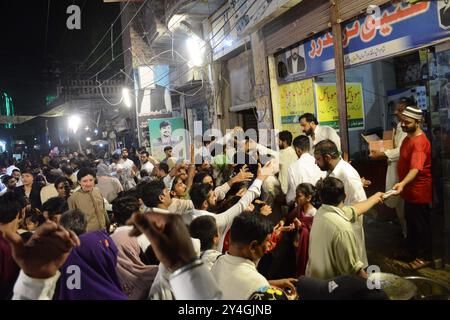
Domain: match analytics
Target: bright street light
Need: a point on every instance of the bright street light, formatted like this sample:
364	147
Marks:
88	139
74	123
126	97
196	49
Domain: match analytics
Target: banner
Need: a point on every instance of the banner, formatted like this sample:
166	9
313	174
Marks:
167	132
327	106
372	37
296	98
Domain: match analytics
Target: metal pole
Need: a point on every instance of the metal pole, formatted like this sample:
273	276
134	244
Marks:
340	76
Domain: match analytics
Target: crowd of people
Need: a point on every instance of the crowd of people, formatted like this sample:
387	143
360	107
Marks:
278	226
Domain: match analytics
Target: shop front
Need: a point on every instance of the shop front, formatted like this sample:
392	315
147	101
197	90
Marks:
386	56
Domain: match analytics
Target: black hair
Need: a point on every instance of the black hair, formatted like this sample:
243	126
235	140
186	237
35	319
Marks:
51	175
164	166
309	190
86	164
285	136
115	156
123	208
228	203
302	142
74	220
61	179
135	192
145	153
175	181
199	193
331	191
6	178
143	173
10	206
163	124
250	227
75	161
54	206
235	188
309	117
34	217
151	191
67	170
27	171
54	163
327	147
168	148
198	178
83	172
204	228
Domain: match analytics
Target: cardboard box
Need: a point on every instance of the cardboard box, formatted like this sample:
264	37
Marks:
378	144
381	145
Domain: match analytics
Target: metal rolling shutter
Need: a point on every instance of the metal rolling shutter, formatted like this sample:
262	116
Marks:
308	18
296	24
352	8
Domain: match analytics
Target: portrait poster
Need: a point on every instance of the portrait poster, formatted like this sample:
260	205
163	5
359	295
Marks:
167	132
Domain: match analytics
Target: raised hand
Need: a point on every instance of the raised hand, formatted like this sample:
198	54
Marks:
169	237
45	252
243	175
366	183
266	210
270	168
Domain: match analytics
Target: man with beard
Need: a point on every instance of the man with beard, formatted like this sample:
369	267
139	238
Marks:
391	156
316	133
10	184
328	159
415	186
130	170
295	63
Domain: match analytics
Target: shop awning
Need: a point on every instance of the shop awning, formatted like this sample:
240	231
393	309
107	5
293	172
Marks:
53	113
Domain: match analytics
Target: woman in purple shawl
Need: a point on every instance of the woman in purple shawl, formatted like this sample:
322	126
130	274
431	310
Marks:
96	259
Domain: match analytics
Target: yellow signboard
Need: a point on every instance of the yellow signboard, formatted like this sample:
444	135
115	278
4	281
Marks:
296	98
327	109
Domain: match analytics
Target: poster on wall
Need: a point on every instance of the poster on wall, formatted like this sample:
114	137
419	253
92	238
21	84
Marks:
296	98
167	132
327	106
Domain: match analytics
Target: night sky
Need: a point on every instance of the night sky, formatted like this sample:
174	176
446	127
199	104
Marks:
24	55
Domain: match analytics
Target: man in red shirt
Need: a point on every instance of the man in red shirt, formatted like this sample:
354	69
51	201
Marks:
415	186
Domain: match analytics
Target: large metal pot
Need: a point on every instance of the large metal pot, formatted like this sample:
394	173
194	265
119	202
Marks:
396	287
429	289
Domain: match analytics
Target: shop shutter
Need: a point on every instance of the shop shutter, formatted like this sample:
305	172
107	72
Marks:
297	24
352	8
308	18
250	121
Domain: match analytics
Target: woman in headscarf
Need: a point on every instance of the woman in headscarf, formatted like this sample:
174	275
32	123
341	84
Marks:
95	262
135	277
